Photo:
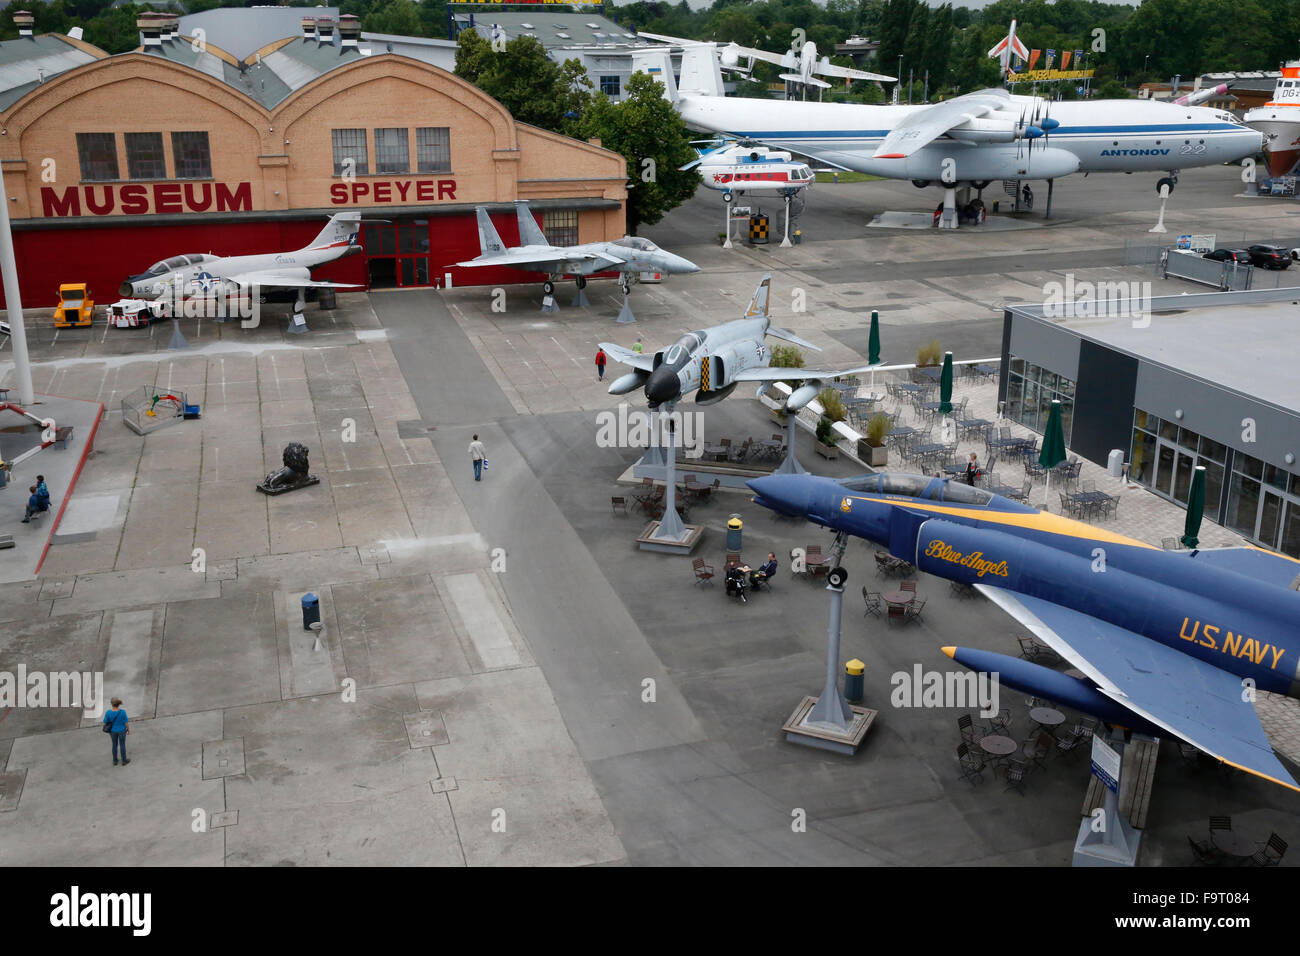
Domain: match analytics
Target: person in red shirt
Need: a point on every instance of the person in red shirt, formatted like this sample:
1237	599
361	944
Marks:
601	359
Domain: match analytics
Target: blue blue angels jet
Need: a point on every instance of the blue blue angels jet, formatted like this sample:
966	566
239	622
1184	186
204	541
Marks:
1171	642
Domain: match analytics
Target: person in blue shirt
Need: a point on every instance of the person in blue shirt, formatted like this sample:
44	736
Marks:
766	571
35	504
115	720
43	490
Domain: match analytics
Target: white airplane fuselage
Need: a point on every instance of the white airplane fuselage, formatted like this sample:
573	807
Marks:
1097	136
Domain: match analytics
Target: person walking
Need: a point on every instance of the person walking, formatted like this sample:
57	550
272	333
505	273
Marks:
116	723
601	359
972	469
478	454
637	347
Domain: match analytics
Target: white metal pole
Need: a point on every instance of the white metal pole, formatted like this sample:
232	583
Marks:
14	305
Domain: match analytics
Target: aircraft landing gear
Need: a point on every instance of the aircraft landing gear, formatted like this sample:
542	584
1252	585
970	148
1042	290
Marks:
1164	186
548	287
625	315
548	294
580	299
298	324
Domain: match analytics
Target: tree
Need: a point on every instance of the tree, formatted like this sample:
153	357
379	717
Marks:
655	142
526	81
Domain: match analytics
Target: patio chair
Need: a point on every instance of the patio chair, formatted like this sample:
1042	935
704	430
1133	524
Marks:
1112	506
897	612
971	763
1271	853
1037	747
1068	744
1004	431
872	601
1015	773
618	503
743	452
703	572
1000	723
1025	489
1089	484
908	586
912	612
884	564
966	727
1068	505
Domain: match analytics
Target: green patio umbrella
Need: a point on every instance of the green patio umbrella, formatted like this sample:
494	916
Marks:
1053	452
873	340
945	385
1195	508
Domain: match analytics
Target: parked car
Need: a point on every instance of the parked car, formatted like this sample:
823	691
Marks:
1241	256
1270	256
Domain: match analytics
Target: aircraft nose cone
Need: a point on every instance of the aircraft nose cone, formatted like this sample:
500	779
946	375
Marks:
676	265
787	494
662	386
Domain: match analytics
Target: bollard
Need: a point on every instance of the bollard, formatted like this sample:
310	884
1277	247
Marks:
854	676
310	611
316	627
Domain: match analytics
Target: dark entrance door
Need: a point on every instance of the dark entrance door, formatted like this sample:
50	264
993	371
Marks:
397	253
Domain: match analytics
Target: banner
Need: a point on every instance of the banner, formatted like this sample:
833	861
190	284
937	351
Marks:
1041	76
1033	57
1078	56
1065	59
1051	58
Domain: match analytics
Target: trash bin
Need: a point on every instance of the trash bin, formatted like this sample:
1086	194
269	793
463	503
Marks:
758	230
798	236
996	203
310	611
854	673
734	526
4	475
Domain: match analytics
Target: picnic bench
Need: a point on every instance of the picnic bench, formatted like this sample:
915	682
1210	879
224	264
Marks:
1137	774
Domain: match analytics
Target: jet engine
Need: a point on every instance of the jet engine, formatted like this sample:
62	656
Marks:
714	396
628	383
802	395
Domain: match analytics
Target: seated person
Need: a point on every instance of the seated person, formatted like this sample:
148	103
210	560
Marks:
766	571
35	504
43	490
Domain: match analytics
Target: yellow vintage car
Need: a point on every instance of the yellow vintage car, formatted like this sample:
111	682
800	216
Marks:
76	309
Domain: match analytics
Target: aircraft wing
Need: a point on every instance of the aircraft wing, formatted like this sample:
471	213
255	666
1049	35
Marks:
768	373
638	360
1192	699
287	280
542	259
826	68
1266	566
923	126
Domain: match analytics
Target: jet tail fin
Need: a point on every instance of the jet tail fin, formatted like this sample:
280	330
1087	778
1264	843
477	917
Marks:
701	72
659	65
530	234
341	229
489	243
760	304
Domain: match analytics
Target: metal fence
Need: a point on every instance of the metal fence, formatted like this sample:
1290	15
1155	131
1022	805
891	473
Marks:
150	407
1228	276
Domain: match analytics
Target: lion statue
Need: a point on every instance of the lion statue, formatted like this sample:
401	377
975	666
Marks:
294	474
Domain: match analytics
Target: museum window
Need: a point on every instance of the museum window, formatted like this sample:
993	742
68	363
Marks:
192	155
609	85
433	149
1030	391
98	155
561	227
144	156
350	145
392	153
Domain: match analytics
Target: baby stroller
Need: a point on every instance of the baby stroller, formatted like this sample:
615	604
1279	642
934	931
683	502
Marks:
738	584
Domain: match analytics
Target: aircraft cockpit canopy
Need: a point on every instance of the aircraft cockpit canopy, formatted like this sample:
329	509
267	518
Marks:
174	263
636	242
681	350
920	486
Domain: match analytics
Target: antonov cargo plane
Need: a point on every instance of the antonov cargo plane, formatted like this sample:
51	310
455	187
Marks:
973	140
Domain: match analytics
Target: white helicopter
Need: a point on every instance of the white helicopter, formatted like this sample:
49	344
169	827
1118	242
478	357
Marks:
739	168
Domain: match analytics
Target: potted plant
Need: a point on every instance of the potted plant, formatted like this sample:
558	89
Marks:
832	412
871	449
928	356
785	356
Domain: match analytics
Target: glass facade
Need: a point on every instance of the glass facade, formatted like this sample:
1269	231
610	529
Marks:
1030	391
144	156
350	144
98	155
561	227
192	155
392	154
433	149
1263	501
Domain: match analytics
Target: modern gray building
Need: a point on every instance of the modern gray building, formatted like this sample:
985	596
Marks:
1200	380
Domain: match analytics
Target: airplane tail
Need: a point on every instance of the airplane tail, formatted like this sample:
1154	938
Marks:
701	73
659	65
530	234
489	243
760	304
1007	47
342	229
